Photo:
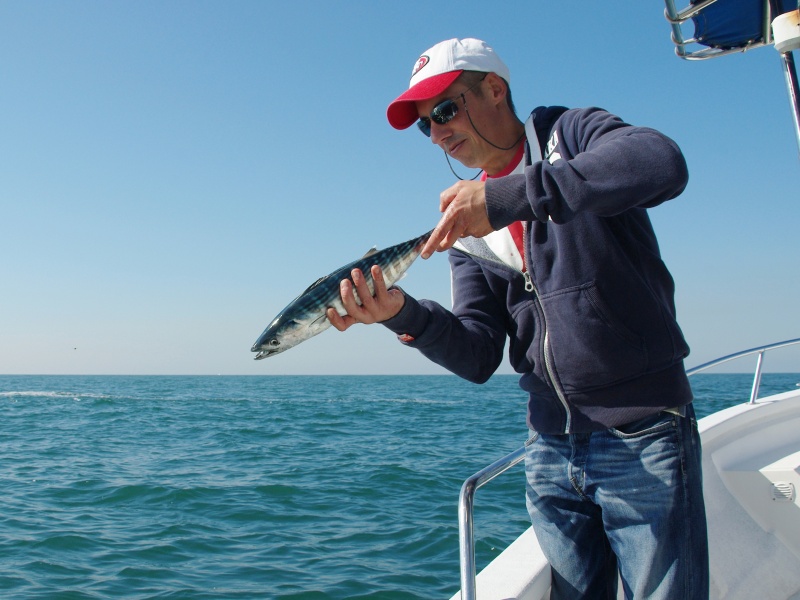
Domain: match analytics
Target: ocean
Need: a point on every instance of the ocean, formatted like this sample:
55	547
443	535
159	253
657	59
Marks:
285	487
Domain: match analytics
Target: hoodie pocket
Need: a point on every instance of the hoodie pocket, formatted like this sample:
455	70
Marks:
589	345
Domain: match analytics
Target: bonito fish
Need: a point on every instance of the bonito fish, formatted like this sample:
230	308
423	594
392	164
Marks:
305	317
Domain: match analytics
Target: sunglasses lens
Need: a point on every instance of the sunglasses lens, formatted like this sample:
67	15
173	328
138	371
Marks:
424	125
444	112
441	114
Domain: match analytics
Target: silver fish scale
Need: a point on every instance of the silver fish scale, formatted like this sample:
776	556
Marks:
305	316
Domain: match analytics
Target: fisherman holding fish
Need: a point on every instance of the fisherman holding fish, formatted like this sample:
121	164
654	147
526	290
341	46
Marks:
553	250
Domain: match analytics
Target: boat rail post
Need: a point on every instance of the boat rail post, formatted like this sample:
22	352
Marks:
466	501
466	539
757	377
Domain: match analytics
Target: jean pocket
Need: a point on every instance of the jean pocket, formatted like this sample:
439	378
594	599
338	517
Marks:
645	426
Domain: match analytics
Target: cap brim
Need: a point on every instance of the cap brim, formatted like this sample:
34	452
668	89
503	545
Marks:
403	111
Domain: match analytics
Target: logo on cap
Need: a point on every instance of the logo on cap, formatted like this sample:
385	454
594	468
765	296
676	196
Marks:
421	62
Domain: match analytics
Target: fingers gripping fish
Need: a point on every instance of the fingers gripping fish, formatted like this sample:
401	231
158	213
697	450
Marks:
305	317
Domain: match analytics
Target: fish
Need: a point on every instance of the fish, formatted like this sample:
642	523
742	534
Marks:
304	317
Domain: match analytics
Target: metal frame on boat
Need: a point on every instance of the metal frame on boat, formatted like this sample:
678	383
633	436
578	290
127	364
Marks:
728	26
733	468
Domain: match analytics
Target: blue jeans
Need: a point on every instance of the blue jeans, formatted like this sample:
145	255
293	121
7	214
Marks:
623	503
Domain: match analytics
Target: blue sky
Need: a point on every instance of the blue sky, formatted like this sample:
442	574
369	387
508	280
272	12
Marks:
173	173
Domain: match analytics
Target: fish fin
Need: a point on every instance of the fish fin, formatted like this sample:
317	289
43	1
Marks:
319	319
315	284
370	252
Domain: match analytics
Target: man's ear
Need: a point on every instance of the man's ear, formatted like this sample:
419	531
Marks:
498	88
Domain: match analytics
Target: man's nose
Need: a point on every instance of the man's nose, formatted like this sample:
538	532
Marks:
439	133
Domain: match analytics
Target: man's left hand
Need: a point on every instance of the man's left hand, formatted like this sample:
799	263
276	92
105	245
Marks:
384	304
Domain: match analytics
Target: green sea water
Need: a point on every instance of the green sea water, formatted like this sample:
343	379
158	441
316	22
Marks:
260	487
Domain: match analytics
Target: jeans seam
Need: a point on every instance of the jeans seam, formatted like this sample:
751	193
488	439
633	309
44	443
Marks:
577	487
571	465
686	562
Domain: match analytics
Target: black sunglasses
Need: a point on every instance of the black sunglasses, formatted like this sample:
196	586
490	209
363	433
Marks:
445	111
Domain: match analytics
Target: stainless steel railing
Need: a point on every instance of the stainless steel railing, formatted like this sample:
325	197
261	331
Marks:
466	540
466	499
677	18
760	350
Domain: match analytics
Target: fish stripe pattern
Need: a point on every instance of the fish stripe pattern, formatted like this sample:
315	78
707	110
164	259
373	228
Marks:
304	317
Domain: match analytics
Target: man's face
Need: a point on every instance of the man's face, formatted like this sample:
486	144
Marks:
458	137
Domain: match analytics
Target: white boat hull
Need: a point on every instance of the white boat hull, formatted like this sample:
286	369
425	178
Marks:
751	475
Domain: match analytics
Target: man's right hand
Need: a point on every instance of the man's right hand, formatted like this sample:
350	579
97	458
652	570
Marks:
463	208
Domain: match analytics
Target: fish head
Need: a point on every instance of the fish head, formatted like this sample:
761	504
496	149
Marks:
279	336
286	331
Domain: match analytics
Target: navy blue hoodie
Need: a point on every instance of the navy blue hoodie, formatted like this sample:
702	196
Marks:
591	324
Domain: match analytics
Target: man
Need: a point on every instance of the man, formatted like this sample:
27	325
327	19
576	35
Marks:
553	249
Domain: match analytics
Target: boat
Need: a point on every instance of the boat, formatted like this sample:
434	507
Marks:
751	451
751	480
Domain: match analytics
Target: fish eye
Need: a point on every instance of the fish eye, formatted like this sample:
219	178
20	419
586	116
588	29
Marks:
274	342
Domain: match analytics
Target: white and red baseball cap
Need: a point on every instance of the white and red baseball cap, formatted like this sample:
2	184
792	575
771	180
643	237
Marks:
437	69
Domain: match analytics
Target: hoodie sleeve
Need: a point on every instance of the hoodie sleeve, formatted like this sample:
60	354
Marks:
468	341
594	162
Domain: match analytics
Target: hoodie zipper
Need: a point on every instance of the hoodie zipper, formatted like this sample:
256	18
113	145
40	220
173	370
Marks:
549	368
548	363
529	287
